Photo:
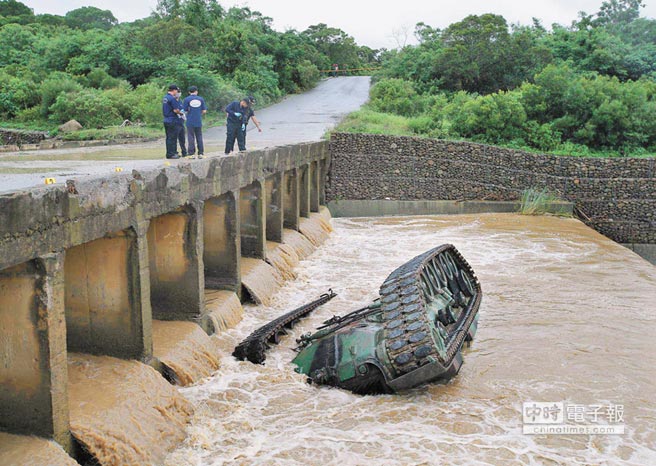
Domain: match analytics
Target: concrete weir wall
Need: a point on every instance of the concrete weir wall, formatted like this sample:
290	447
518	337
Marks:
87	267
615	196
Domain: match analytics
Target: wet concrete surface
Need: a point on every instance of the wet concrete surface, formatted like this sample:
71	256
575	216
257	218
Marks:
298	118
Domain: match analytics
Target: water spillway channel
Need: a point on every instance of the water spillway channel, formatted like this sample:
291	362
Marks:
567	315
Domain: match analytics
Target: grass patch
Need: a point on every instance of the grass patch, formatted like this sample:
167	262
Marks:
37	125
541	202
112	133
372	122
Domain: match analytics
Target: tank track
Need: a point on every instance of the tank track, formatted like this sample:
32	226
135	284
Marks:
255	346
408	339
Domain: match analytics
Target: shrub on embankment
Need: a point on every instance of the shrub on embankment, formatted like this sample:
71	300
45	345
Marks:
559	112
584	89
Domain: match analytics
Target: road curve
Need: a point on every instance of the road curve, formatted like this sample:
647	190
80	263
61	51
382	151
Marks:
298	118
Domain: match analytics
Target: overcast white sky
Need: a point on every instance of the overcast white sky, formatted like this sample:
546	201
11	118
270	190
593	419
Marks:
371	22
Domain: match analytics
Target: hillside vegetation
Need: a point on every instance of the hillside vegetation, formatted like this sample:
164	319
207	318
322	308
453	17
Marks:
584	89
86	66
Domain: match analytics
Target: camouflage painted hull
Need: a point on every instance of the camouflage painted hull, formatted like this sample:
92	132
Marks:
412	335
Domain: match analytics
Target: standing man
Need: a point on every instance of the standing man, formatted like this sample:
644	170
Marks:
194	106
238	113
180	127
170	111
248	115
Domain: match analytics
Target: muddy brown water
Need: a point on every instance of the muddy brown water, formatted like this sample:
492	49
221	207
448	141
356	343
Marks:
567	315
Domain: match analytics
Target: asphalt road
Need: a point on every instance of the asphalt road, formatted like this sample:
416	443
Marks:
298	118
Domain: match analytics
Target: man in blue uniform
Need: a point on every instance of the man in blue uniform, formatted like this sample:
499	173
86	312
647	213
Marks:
170	111
194	106
247	116
238	113
180	125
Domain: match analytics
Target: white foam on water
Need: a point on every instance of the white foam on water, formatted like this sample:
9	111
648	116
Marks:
567	315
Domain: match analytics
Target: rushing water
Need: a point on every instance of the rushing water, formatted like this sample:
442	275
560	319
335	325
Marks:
123	412
185	350
32	451
567	315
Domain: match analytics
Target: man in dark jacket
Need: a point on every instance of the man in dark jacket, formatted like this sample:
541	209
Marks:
238	113
171	112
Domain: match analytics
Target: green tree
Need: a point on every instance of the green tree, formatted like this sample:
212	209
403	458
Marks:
14	8
90	17
335	44
16	43
474	55
618	12
169	8
50	20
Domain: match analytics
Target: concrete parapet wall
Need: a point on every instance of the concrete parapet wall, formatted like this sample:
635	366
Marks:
51	218
615	196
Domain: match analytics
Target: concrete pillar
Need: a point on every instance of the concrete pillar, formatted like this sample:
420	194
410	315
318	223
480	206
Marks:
33	366
142	288
104	307
222	243
304	190
291	201
314	186
252	217
175	253
274	207
323	177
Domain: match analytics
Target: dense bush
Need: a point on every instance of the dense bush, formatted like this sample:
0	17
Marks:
589	87
395	96
63	65
57	83
306	74
145	104
561	108
17	93
492	118
91	107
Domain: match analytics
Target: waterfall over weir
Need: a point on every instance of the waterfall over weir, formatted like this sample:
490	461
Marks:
124	412
32	451
185	351
262	279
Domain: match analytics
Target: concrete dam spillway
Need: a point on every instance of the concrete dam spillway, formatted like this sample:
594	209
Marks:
113	291
111	288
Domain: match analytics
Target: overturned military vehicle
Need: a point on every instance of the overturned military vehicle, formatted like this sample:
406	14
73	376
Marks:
411	335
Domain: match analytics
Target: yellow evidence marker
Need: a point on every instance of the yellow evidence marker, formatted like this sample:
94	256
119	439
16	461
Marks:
50	181
118	169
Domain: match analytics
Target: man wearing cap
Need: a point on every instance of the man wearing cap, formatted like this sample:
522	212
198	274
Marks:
238	113
171	111
194	106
